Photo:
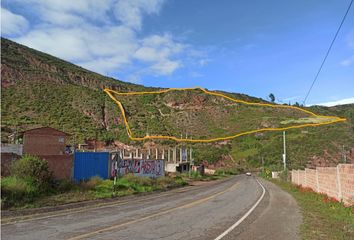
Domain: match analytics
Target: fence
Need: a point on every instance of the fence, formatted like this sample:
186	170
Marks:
337	182
89	164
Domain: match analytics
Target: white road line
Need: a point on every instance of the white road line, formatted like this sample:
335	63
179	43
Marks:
244	216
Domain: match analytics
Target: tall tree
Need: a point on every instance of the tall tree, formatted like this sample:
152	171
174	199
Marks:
271	97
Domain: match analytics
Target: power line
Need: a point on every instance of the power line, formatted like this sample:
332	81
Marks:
329	49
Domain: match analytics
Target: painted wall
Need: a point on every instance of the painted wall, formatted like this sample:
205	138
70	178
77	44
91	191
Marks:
144	168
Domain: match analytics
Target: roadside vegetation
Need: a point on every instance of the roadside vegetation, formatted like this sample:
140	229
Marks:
323	217
31	185
219	174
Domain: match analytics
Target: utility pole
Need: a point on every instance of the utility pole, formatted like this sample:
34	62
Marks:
284	147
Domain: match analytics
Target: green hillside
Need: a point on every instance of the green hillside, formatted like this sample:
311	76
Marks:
41	90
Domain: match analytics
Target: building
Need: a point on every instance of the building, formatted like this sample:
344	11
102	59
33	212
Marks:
50	145
44	141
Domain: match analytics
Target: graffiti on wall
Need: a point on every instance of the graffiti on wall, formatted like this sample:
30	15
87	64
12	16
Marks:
144	168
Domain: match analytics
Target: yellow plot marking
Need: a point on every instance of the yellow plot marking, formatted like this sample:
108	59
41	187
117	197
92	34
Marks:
332	119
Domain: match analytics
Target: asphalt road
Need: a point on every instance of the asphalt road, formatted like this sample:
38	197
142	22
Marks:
204	211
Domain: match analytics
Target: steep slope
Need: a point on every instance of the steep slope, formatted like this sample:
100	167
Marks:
41	90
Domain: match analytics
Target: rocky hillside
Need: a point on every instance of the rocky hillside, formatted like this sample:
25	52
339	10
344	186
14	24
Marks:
41	90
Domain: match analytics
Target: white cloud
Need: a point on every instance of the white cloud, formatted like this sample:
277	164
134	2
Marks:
347	62
130	13
67	12
59	42
104	36
160	50
166	67
338	102
12	24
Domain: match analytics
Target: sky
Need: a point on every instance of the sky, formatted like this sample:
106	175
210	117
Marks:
254	47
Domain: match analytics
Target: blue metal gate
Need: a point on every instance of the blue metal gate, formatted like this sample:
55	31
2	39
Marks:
89	164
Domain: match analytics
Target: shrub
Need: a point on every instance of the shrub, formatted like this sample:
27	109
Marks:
284	175
65	185
16	190
165	182
266	173
180	181
91	183
33	169
196	175
104	188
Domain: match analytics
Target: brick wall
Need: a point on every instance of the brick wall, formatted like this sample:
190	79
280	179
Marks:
60	165
337	182
327	181
310	179
346	176
43	145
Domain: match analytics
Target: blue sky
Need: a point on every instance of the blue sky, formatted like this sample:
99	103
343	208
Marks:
254	47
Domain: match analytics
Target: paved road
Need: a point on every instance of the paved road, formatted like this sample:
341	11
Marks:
199	212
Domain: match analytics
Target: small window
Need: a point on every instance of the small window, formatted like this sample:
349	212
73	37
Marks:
61	139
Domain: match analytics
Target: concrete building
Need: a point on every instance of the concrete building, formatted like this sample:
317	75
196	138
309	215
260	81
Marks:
44	141
177	159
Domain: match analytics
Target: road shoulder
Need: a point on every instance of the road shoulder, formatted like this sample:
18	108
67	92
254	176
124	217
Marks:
278	216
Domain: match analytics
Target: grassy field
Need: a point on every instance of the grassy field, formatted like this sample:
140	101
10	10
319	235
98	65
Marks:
323	217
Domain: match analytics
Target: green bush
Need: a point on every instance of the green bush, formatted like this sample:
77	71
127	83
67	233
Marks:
196	175
165	182
266	173
15	190
284	175
33	169
180	181
103	189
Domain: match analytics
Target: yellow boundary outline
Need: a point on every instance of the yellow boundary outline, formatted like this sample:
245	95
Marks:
130	134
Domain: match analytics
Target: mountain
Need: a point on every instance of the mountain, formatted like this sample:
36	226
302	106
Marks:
42	90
